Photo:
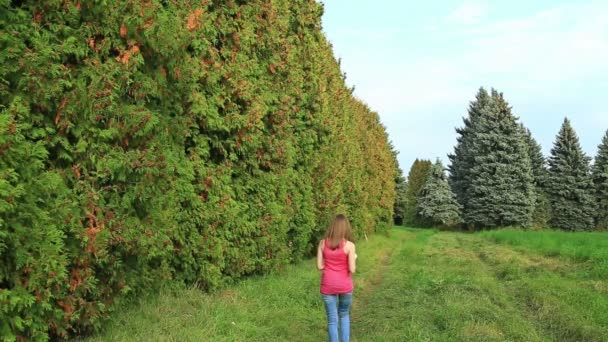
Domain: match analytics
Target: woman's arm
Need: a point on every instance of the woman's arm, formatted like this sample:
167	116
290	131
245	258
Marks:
320	262
352	257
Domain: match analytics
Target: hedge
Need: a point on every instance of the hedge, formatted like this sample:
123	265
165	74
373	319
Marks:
144	141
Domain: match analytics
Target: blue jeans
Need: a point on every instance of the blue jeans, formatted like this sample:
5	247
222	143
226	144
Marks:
338	305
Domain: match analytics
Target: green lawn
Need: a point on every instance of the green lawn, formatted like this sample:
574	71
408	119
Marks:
413	285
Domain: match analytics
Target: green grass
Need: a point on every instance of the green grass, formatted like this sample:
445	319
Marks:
585	247
413	285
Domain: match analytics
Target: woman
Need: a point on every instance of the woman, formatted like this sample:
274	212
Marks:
336	259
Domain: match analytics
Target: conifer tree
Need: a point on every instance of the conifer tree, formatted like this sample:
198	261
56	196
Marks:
416	178
501	191
569	184
541	214
461	161
600	180
437	202
400	189
400	203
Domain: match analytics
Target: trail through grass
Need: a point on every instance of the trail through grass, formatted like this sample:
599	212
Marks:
413	285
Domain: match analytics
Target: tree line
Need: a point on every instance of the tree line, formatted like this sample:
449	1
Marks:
498	177
193	141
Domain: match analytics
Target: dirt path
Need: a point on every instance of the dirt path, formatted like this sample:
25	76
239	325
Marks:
366	285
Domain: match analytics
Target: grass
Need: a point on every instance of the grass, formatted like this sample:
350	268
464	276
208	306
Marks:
584	247
413	285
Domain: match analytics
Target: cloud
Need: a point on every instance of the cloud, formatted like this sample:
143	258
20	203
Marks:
550	54
556	45
397	86
467	13
548	63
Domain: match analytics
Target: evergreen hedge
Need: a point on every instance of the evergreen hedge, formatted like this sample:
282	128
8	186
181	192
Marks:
148	140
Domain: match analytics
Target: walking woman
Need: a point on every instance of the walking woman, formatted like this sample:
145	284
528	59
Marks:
336	260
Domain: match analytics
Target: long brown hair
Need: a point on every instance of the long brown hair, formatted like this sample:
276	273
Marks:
339	229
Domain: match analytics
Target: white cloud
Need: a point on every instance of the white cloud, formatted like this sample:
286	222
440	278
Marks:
543	54
467	13
557	45
421	81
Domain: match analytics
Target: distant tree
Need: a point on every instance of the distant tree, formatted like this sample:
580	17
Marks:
569	185
494	173
542	209
600	180
400	203
437	203
416	178
400	188
461	161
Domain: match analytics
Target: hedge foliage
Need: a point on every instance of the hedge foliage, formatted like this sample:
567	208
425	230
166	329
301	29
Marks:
148	140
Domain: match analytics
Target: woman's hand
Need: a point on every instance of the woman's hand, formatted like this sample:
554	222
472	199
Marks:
320	261
352	256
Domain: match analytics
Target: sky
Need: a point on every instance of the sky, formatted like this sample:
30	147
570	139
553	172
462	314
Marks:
420	63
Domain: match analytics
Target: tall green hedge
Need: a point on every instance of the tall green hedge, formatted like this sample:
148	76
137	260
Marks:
148	140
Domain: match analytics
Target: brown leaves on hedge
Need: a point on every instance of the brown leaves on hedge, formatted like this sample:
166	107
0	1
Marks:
67	307
91	232
123	30
38	17
147	24
194	19
76	170
126	55
61	107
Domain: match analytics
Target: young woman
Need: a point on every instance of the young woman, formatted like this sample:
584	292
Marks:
336	259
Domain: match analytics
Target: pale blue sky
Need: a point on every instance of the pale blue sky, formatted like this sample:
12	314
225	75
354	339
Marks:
418	64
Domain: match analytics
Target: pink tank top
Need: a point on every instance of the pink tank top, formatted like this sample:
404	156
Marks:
336	278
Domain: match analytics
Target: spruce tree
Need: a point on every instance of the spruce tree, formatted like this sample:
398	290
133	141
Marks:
437	202
461	161
569	185
541	214
400	203
400	188
600	180
416	178
501	191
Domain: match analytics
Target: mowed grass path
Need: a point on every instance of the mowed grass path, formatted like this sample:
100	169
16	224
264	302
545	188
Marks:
412	285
